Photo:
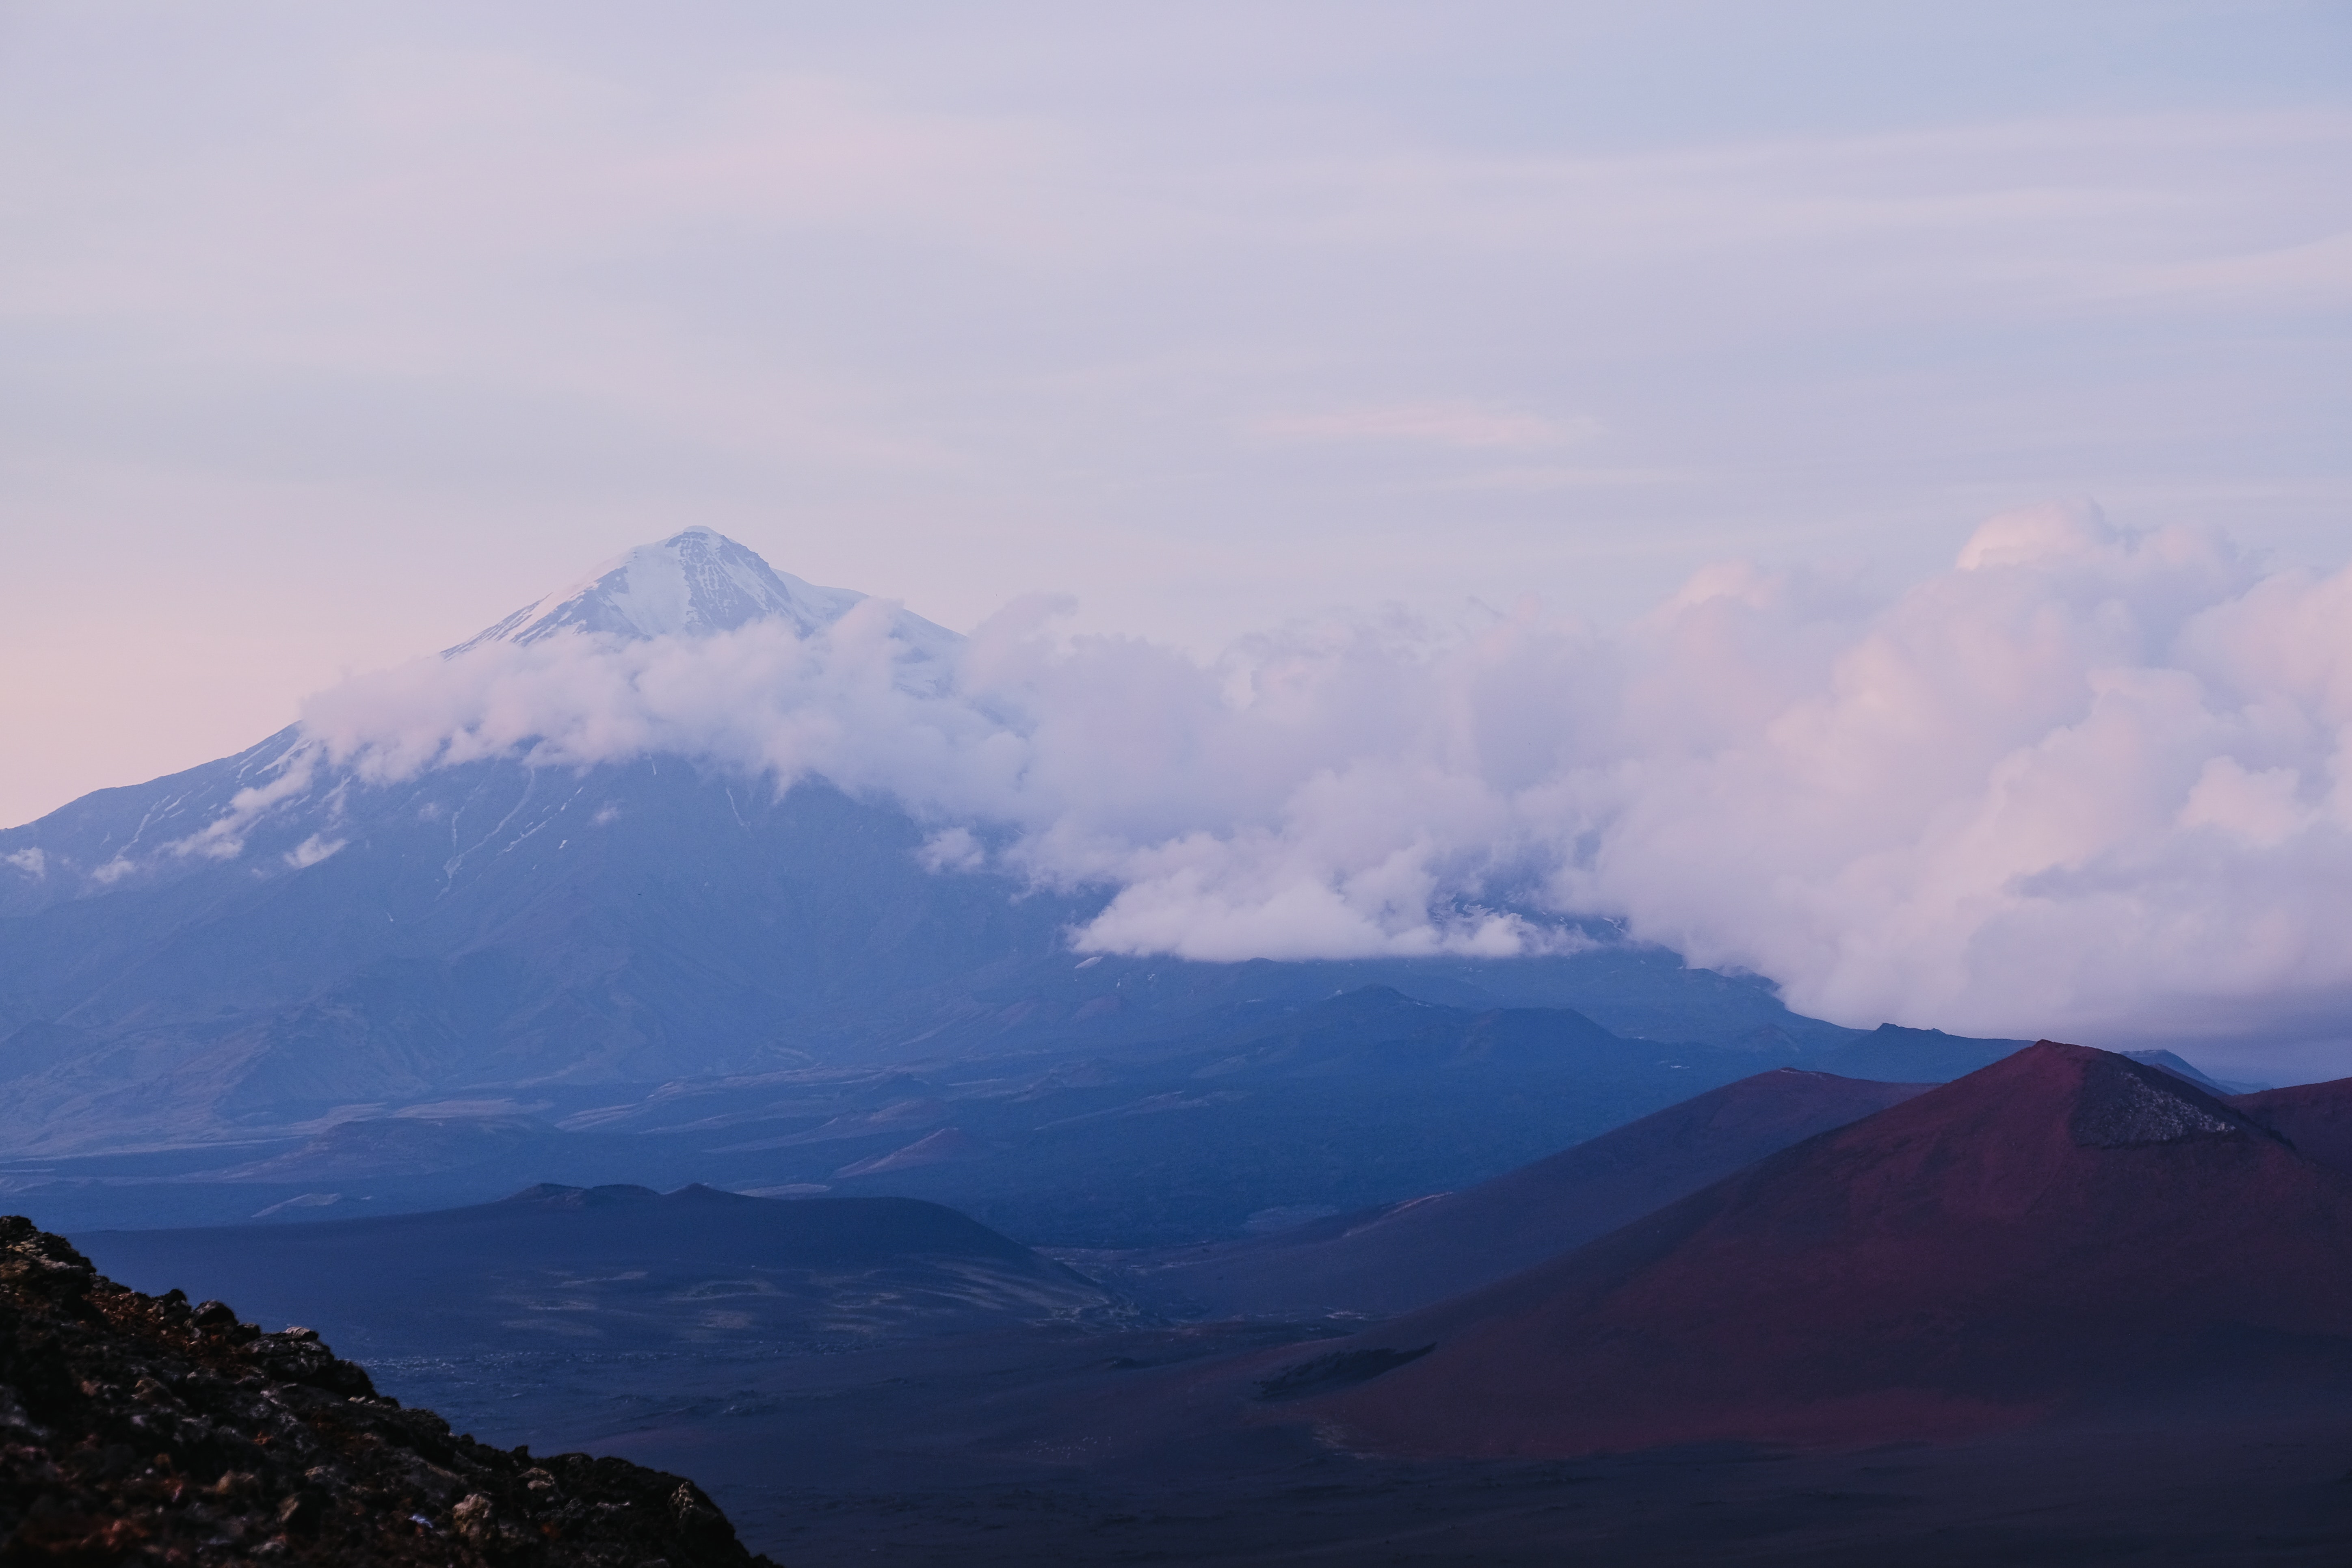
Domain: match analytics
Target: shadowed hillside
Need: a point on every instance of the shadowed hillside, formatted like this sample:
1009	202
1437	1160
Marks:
2065	1230
619	1268
1409	1255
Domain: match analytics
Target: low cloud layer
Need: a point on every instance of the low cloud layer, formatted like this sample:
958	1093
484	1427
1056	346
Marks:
2085	781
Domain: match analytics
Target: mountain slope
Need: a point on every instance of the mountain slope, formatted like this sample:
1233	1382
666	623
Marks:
139	1429
483	925
1893	1054
617	1268
2316	1118
2063	1228
1335	1104
1407	1256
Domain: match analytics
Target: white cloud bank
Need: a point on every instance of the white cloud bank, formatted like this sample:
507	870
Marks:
2085	781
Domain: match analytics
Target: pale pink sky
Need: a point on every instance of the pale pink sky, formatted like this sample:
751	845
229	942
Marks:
328	335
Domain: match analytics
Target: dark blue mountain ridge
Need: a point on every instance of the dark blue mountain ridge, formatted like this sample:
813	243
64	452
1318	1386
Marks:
271	943
1263	1113
681	936
620	1267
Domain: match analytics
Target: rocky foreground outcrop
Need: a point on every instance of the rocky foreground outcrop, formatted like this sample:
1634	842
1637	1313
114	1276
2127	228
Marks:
139	1429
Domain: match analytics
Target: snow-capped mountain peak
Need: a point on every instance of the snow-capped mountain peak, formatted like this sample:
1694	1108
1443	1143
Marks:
693	582
281	805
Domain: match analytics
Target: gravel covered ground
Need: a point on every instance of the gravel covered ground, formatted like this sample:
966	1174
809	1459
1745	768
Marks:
141	1429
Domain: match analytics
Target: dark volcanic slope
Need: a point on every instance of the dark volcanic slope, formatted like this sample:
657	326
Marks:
616	1268
134	1429
2064	1228
2316	1118
1409	1255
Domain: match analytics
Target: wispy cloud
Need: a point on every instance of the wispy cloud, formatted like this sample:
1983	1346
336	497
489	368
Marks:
1469	426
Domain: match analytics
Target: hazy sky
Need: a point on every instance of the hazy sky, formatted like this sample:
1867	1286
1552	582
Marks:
329	334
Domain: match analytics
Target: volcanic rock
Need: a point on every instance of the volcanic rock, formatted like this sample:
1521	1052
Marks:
137	1429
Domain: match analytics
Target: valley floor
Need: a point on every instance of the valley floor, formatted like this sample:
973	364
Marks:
960	1452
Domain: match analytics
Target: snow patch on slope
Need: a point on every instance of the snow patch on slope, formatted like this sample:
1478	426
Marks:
692	584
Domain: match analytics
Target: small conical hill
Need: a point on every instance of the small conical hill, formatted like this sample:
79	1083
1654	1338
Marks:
2062	1230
